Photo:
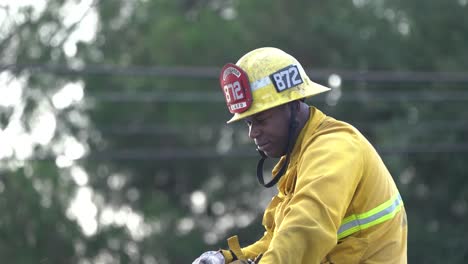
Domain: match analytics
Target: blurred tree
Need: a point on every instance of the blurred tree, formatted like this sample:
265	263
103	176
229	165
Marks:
35	194
162	178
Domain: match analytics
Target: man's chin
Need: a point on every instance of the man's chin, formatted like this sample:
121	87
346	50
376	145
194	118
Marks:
273	155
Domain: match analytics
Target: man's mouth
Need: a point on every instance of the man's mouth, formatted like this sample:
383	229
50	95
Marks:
263	146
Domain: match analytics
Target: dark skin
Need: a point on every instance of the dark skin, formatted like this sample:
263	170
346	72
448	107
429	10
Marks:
269	129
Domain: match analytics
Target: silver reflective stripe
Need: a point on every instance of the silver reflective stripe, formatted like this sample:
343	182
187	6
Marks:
371	218
260	83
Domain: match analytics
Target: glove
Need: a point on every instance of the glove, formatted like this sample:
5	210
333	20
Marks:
210	257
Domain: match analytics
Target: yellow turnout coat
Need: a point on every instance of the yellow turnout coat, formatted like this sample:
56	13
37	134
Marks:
336	203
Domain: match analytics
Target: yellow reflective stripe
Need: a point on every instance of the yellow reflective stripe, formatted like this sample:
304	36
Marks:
379	214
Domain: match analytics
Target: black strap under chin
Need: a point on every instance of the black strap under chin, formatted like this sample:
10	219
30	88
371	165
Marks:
292	129
277	177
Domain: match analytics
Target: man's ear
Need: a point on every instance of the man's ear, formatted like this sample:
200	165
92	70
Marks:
296	105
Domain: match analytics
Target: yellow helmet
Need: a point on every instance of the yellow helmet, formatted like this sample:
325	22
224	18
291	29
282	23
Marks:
262	79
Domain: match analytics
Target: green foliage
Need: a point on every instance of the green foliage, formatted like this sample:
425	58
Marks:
157	145
33	226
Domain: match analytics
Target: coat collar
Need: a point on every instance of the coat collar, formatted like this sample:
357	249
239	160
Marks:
287	182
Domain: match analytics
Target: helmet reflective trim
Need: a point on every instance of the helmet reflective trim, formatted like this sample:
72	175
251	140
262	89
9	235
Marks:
260	83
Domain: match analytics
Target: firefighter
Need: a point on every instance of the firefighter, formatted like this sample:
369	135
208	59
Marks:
336	201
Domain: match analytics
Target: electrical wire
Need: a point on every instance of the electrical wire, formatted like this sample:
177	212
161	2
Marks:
167	155
164	129
213	72
217	97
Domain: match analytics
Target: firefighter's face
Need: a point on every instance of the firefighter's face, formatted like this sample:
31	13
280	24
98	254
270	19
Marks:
269	130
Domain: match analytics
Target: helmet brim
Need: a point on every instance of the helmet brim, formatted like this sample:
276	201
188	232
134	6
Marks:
312	89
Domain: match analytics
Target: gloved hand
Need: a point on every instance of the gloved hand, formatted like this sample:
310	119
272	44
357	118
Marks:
210	257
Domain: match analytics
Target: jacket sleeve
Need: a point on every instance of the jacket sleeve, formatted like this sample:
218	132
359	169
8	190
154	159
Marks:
258	247
328	173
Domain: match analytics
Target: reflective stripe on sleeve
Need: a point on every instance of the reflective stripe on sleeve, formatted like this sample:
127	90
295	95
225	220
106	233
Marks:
381	213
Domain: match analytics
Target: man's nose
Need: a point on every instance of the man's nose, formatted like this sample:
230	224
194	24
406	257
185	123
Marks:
254	132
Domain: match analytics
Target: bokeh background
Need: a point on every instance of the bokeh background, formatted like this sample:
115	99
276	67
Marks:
113	142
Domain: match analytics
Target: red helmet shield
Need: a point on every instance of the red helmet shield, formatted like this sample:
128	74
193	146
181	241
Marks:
236	87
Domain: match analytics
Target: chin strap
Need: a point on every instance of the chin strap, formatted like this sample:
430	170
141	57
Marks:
291	132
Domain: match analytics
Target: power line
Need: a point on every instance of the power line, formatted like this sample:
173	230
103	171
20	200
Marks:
453	125
154	71
213	72
346	96
177	154
212	154
164	129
